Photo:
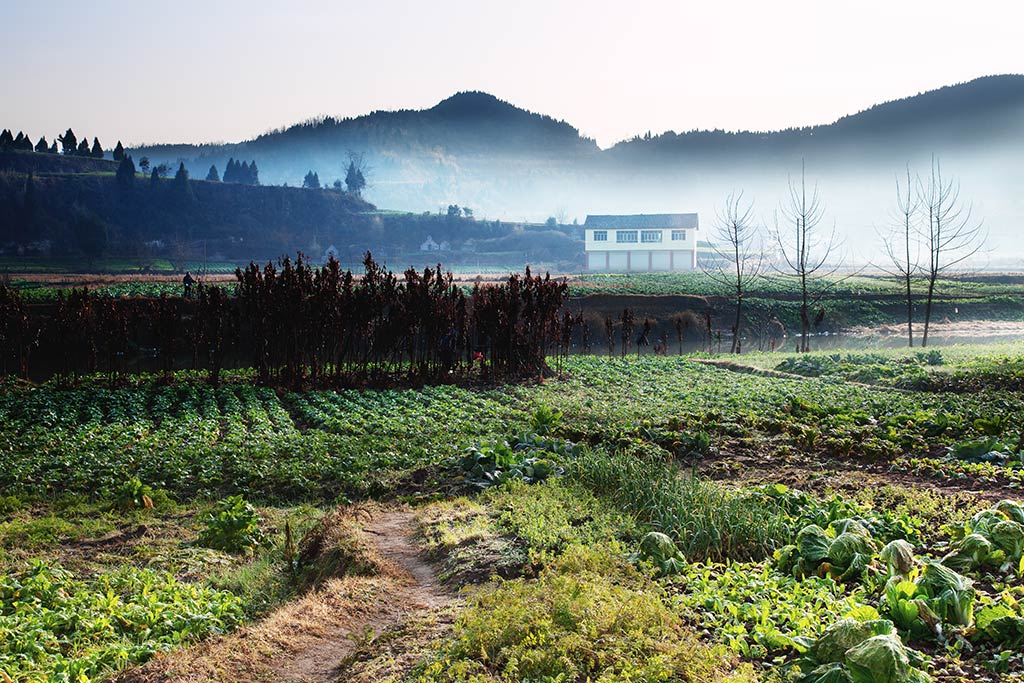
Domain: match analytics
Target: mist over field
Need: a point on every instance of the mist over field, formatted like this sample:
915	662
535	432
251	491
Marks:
505	163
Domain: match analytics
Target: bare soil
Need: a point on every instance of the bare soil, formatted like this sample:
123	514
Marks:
314	638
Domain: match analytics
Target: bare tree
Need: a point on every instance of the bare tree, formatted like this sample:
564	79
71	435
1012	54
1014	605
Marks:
899	244
950	237
808	254
737	255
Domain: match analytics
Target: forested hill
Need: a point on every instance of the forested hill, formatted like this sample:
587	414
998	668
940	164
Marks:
981	113
400	146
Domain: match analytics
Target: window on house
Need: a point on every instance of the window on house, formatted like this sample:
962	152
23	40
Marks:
600	235
678	235
625	236
649	236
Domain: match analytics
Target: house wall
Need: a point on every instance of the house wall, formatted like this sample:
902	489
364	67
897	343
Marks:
667	255
640	261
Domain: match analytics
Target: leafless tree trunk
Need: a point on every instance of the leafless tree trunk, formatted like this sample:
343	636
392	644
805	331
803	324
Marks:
737	255
951	236
899	244
807	252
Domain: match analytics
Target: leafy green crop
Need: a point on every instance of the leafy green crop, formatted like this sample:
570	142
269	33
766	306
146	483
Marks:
234	527
54	626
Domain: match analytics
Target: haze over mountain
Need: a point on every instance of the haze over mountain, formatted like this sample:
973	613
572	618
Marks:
476	150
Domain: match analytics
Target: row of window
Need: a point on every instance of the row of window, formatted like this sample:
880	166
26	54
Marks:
646	236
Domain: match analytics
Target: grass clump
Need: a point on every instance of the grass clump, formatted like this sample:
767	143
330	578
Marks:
707	521
547	518
589	615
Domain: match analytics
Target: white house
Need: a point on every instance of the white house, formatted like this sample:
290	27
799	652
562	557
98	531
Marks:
430	245
641	243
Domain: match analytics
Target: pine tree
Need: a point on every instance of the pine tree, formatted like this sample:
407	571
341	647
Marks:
97	149
42	146
231	171
311	181
83	148
69	142
18	140
243	173
212	176
354	178
126	172
53	147
254	174
6	140
182	187
119	152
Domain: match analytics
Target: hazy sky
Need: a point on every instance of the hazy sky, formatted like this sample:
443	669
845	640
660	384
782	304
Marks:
208	70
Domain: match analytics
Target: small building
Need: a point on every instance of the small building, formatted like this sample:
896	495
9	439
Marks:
641	243
430	245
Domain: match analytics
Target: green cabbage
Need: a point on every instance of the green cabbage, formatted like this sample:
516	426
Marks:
1008	536
899	556
813	544
845	634
828	673
848	525
982	522
1011	509
659	550
969	553
657	547
879	659
950	595
841	551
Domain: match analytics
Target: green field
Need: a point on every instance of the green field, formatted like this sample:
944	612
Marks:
806	501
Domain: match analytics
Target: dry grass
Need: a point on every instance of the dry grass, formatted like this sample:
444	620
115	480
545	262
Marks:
355	592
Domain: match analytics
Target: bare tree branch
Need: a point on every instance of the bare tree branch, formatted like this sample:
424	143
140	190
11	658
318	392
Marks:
737	255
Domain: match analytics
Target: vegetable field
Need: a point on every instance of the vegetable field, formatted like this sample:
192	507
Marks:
807	518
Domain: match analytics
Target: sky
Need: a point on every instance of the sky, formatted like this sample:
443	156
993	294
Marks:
210	71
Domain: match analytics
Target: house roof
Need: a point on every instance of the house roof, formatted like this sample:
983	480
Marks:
643	220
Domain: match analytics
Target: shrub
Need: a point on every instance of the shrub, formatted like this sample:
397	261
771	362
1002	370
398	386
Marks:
234	527
588	616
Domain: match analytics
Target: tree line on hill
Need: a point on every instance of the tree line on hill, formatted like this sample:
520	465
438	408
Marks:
70	145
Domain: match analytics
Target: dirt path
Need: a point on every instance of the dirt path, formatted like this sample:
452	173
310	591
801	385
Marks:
316	637
417	588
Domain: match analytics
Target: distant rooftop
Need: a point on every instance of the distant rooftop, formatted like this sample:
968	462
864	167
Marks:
643	221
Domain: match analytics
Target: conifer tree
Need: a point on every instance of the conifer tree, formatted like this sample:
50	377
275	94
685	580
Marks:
83	148
18	140
42	146
53	147
182	187
6	140
119	152
69	142
254	174
126	172
97	149
311	181
212	175
231	171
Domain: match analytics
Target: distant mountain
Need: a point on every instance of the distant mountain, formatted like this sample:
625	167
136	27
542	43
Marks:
980	112
475	150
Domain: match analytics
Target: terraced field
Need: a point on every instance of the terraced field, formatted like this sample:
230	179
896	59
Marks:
826	517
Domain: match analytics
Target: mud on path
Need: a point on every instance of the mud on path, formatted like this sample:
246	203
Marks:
315	637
